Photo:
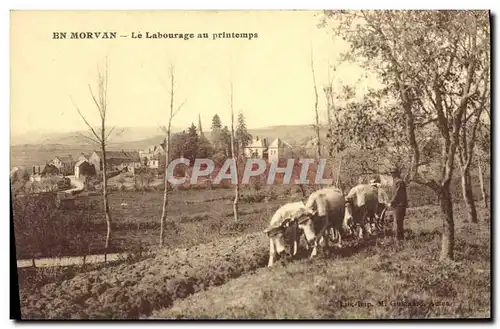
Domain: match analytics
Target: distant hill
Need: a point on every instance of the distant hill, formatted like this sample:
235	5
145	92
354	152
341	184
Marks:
295	135
118	136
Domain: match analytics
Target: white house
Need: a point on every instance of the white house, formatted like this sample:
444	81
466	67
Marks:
258	148
277	149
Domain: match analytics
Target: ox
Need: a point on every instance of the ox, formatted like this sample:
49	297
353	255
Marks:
361	204
325	214
286	217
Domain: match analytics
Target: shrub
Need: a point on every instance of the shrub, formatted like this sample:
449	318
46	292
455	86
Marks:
63	183
43	230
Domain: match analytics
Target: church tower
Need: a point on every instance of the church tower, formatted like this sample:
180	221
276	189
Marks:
200	130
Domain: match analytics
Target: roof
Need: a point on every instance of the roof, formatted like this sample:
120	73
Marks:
149	149
79	163
163	144
154	148
258	143
64	159
278	143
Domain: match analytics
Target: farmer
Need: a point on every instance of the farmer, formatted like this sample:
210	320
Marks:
383	202
399	201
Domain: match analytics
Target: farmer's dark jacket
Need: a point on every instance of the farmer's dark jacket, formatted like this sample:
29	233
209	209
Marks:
399	198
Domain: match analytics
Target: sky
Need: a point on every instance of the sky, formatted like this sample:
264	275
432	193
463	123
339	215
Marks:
271	74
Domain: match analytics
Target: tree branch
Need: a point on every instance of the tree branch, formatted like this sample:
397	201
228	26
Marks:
109	133
95	141
85	120
96	102
178	108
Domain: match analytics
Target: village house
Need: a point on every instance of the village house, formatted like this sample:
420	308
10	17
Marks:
35	174
65	164
151	152
273	152
35	170
84	169
49	169
278	149
82	156
257	149
156	162
154	156
115	160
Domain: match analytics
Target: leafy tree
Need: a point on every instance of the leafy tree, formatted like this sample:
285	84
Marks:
242	137
226	141
216	123
205	148
435	63
178	140
192	131
217	133
191	143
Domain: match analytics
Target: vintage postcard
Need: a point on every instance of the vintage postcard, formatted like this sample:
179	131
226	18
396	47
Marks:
285	164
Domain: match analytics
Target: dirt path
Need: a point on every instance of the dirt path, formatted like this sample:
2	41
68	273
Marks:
67	261
77	185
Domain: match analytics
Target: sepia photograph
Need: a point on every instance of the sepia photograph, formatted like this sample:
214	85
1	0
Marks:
250	164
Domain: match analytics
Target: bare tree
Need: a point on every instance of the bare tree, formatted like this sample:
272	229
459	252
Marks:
333	135
101	102
235	159
316	112
167	130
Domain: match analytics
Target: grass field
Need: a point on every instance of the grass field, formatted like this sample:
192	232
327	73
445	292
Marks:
193	218
226	277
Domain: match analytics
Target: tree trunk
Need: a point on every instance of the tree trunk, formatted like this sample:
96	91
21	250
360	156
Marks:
481	181
448	237
235	202
318	143
235	159
337	183
237	186
105	197
468	195
163	217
